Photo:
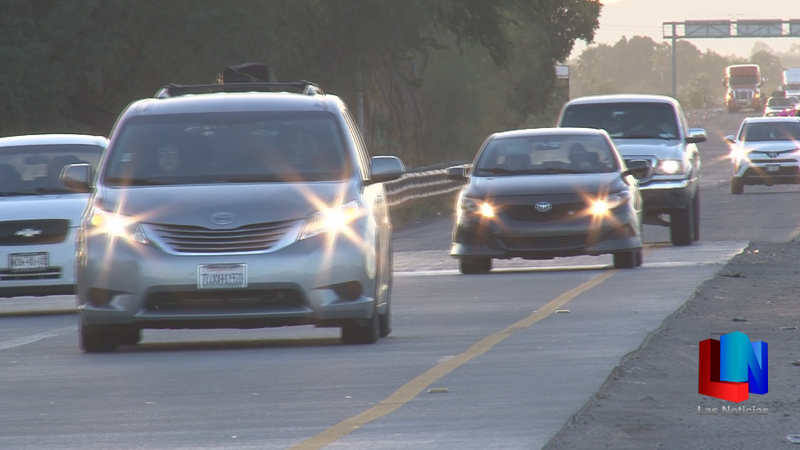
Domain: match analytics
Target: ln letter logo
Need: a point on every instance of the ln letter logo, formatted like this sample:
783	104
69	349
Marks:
732	367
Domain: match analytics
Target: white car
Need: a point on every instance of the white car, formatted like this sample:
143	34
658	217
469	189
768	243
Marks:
765	151
39	217
781	106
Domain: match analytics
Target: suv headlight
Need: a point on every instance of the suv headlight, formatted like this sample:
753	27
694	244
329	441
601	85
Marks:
115	225
473	206
336	219
602	205
670	167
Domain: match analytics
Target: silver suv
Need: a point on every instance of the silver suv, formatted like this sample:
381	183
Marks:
39	217
653	129
235	206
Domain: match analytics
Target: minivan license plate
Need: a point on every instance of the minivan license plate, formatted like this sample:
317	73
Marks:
222	276
28	261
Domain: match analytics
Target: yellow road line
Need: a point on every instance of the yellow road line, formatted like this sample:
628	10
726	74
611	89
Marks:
410	390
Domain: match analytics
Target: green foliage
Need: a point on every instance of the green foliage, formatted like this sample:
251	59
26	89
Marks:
437	76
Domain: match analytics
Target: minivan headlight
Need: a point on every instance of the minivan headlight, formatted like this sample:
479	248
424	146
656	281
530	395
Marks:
115	225
336	219
478	207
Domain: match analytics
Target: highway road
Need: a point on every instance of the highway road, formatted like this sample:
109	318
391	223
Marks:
501	360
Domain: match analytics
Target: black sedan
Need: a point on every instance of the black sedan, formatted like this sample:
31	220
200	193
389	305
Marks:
546	193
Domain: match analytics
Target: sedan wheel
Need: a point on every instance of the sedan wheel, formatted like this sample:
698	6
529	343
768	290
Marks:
470	266
363	334
95	339
628	260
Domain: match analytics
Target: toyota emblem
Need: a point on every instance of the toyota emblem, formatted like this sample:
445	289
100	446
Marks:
221	218
772	155
543	206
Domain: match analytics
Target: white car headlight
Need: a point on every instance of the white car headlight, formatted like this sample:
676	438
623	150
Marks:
334	219
116	225
669	167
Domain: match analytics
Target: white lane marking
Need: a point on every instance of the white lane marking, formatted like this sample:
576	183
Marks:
18	342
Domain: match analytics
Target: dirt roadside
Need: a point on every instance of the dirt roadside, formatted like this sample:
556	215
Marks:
651	401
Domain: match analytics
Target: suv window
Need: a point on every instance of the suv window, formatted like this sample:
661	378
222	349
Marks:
228	148
634	120
35	169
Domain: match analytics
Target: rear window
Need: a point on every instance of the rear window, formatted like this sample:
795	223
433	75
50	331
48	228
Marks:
546	154
625	120
35	169
227	148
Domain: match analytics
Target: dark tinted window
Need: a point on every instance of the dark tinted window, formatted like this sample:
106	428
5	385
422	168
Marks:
776	131
546	154
35	169
227	148
625	120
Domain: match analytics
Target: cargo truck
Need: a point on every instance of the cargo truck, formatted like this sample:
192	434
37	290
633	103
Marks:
743	88
791	82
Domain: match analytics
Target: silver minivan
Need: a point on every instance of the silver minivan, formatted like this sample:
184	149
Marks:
246	209
39	217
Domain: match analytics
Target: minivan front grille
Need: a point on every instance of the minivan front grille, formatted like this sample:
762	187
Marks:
33	232
195	239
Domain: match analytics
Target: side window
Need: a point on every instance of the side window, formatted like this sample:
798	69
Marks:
363	158
684	124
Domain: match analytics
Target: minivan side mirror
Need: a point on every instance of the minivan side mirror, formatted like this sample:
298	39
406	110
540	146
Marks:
77	177
731	140
696	136
639	168
386	168
458	173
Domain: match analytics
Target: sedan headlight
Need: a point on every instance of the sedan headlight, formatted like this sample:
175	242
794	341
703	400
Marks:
115	225
670	167
335	219
476	207
602	205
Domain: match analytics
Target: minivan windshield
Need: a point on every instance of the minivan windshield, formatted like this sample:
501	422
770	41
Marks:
635	120
545	154
35	169
228	147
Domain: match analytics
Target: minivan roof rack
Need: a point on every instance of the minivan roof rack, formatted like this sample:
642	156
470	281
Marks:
303	87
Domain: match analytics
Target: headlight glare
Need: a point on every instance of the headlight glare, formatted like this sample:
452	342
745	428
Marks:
328	220
478	207
669	167
116	225
601	206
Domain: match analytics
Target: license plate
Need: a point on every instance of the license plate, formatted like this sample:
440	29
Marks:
222	276
28	261
773	168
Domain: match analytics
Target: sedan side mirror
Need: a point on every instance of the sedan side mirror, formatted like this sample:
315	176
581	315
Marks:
458	173
386	168
77	177
696	136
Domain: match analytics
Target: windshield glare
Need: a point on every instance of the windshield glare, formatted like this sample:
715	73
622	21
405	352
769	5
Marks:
546	155
625	120
227	148
35	169
778	131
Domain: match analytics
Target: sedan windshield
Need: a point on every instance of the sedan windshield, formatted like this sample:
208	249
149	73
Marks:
35	169
546	154
774	131
634	120
227	148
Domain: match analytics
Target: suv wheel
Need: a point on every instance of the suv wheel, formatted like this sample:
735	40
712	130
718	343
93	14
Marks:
363	334
469	266
737	187
95	339
681	226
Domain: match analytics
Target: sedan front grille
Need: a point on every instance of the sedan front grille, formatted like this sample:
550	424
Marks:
528	213
544	243
247	238
33	232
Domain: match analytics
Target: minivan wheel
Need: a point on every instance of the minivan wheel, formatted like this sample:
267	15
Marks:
363	334
129	336
627	260
471	266
95	339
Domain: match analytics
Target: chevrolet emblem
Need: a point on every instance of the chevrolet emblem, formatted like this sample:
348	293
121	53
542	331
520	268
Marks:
28	232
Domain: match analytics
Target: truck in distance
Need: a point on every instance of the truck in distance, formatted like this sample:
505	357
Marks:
743	88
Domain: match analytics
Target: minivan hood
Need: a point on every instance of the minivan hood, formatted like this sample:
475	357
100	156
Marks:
660	148
36	207
490	187
248	203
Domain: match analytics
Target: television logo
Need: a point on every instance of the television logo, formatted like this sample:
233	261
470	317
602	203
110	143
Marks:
732	367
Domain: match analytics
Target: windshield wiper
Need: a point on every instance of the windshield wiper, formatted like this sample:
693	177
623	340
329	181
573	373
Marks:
645	136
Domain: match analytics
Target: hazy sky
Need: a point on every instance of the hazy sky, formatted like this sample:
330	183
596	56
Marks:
645	18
